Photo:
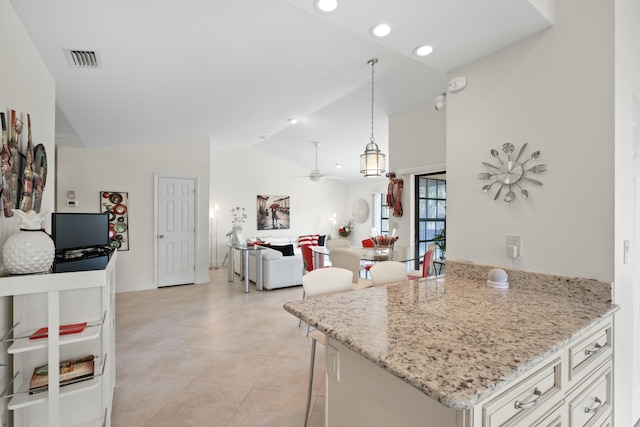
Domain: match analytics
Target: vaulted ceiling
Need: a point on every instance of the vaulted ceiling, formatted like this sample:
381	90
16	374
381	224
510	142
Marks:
236	71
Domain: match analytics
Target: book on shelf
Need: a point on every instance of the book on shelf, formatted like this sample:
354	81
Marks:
75	328
71	371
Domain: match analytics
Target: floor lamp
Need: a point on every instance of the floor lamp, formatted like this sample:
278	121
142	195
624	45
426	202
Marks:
213	218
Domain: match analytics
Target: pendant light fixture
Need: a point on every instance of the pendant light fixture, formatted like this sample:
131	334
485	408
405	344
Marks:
372	161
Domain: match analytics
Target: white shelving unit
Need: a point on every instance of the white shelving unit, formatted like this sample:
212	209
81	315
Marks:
51	300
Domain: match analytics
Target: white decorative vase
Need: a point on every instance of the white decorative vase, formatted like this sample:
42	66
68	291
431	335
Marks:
30	250
236	235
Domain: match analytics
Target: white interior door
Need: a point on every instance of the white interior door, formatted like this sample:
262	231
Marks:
176	231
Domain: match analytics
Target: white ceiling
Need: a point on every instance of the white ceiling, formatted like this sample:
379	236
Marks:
235	71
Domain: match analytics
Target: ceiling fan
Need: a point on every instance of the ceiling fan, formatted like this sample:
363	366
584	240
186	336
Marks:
315	175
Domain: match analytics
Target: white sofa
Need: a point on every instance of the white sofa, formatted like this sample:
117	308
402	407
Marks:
278	271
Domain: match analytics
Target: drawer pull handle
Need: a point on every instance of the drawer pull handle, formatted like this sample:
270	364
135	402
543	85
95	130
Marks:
595	409
525	405
597	349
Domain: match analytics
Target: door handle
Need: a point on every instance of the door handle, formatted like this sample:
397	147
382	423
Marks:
161	236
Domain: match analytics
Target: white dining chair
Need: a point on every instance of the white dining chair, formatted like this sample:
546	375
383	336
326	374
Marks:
349	260
319	282
388	272
337	243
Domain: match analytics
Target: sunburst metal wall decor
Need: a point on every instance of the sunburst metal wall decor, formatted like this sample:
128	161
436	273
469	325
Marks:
511	172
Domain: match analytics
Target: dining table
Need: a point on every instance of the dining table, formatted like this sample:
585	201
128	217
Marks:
396	253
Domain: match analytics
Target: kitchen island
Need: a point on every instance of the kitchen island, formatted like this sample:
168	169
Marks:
454	351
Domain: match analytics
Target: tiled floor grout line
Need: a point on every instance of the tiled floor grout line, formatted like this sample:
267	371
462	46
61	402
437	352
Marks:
276	394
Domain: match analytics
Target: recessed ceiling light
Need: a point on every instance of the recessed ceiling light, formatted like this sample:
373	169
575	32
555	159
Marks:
326	5
338	165
381	30
292	121
423	50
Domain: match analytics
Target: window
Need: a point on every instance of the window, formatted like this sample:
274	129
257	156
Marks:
380	213
431	209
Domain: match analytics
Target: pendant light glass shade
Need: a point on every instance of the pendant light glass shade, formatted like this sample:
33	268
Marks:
372	161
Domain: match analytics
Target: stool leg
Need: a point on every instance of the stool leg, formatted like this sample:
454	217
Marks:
304	296
313	358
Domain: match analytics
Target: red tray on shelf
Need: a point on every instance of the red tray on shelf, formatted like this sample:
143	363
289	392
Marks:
75	328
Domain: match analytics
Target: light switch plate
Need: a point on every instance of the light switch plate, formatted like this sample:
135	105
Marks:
514	241
627	252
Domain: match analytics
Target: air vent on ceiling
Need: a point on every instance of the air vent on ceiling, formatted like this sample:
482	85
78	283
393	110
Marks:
82	58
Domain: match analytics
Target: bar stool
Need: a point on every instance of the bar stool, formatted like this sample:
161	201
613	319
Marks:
320	282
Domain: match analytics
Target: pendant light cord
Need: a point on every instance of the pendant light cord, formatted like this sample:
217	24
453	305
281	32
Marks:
372	62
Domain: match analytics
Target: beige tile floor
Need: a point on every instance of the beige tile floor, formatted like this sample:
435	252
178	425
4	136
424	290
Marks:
212	355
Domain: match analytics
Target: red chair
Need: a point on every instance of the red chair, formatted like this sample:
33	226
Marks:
307	266
367	243
307	258
426	266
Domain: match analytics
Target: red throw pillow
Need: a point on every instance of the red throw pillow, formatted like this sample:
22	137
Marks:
310	239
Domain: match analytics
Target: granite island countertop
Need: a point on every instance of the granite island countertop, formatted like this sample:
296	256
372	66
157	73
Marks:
456	339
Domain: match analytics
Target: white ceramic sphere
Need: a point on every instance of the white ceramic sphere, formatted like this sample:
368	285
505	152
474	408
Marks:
497	275
28	251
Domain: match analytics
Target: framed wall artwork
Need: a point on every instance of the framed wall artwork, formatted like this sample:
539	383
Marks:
273	212
116	204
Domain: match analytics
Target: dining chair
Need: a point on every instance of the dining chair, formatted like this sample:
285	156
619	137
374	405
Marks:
307	258
367	243
427	261
337	243
319	282
349	260
388	272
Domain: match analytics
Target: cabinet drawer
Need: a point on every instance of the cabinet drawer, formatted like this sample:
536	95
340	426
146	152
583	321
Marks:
527	401
588	353
557	418
592	402
607	422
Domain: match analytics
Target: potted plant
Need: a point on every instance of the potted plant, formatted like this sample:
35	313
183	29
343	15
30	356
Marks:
346	229
440	241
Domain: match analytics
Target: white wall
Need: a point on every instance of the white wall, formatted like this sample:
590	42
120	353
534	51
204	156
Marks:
239	175
365	189
549	92
417	145
131	169
556	92
627	88
27	87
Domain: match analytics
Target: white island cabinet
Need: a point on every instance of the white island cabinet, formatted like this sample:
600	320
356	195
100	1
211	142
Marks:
456	352
570	388
50	301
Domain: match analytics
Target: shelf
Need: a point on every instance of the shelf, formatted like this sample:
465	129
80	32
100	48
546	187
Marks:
22	398
23	343
51	301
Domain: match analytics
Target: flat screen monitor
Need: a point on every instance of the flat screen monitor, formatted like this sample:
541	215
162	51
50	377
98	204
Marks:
74	230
